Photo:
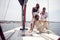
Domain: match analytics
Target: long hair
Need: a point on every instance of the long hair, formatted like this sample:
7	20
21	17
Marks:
37	6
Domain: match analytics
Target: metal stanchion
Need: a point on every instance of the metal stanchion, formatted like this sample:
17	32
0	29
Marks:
1	34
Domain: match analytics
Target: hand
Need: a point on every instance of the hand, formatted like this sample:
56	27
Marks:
45	17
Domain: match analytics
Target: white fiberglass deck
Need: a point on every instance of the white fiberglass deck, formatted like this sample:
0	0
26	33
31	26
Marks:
16	34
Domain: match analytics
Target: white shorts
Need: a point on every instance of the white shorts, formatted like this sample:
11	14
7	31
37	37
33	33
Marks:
32	20
35	13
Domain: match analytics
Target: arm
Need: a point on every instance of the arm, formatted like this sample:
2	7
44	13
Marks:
46	15
32	12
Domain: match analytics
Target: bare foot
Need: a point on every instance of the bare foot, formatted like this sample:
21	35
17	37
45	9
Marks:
30	31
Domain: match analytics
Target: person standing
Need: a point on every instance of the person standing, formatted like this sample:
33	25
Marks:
35	11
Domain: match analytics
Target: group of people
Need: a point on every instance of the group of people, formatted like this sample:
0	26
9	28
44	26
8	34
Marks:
39	18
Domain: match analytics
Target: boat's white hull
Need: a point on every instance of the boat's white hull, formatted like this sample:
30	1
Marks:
17	34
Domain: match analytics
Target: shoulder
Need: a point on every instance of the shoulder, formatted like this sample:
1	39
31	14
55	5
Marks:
33	8
46	13
41	12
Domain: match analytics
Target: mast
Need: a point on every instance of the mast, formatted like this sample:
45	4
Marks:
23	4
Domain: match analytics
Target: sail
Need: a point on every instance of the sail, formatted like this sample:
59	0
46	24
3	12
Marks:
11	10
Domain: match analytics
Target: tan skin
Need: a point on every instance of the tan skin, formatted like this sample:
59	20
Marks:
37	23
44	22
32	24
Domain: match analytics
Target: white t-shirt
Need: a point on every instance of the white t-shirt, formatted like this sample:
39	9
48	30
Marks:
35	13
43	16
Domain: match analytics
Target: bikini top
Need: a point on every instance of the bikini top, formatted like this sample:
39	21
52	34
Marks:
35	10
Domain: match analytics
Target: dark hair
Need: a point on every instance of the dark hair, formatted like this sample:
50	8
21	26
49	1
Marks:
37	17
37	5
44	8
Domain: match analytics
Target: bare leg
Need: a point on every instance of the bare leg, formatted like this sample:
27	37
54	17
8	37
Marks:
46	25
41	24
38	24
32	26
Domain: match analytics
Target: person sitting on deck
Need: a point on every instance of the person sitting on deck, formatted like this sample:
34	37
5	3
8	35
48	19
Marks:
38	24
44	16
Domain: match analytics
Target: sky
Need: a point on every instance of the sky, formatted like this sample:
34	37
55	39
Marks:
10	10
54	10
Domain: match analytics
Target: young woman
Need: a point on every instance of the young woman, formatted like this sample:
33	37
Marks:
38	23
35	11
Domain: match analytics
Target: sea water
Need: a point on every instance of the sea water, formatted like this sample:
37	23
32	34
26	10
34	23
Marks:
53	26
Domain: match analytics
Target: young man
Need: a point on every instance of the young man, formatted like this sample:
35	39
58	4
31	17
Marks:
44	16
35	11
